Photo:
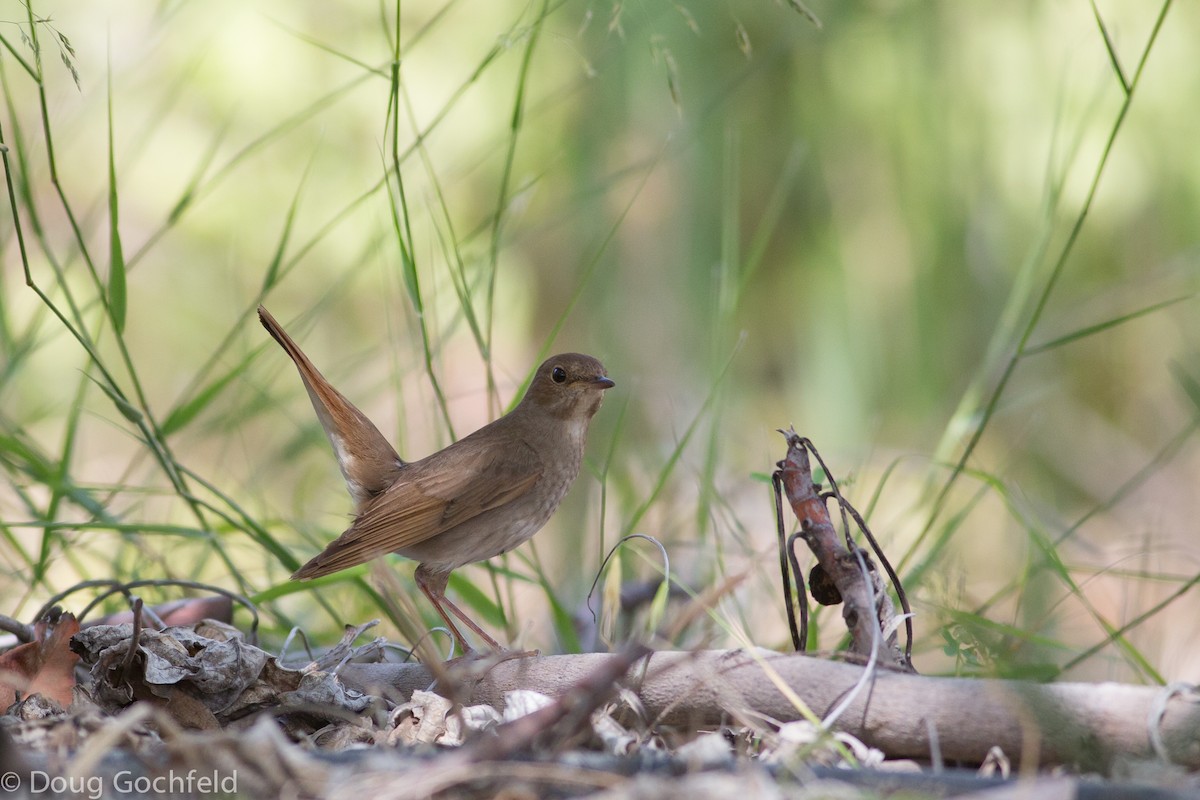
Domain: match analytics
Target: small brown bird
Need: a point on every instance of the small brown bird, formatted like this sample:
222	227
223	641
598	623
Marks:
480	497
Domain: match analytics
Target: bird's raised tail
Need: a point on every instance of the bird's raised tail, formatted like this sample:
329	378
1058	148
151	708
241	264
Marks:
368	462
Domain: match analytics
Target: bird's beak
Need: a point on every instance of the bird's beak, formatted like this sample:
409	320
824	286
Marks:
604	382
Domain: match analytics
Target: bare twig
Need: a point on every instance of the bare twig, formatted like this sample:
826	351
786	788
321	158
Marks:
126	588
566	715
23	632
134	638
887	567
786	555
867	610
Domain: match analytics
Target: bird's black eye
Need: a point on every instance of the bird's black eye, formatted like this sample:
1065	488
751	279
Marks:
558	375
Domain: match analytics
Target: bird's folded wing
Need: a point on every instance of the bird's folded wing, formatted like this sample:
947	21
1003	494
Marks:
433	496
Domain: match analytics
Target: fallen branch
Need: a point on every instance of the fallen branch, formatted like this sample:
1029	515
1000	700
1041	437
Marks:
1084	725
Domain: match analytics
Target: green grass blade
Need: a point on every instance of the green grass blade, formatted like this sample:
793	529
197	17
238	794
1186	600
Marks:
1190	386
1050	282
477	600
128	410
564	624
271	276
672	461
1149	613
15	53
290	587
1112	50
504	197
806	12
183	414
116	261
1100	327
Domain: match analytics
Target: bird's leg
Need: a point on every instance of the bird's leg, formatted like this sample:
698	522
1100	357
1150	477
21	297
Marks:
433	585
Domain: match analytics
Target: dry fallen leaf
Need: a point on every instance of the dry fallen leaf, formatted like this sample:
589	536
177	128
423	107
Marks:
45	666
204	675
424	719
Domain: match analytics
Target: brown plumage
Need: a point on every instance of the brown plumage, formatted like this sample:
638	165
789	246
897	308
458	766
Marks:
480	497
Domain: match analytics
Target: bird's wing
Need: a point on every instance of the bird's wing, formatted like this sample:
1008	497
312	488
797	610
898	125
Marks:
432	496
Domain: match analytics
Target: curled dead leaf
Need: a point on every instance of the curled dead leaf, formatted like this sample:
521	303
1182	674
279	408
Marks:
45	666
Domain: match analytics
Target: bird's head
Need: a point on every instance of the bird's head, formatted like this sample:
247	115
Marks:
570	385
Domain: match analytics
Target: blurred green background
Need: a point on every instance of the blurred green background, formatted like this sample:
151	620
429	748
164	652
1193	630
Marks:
753	219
